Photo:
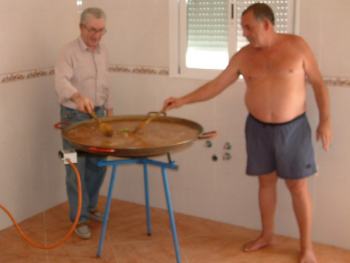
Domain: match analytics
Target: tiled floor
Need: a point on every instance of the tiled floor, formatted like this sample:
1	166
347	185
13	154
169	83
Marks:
201	241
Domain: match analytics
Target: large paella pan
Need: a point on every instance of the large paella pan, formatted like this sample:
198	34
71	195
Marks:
163	134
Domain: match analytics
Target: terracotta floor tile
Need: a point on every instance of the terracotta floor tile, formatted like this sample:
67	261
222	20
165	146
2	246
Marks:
68	259
11	244
332	254
146	252
23	259
201	240
189	226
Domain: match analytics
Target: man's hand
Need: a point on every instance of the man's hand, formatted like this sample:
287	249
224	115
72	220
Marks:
84	104
172	103
324	134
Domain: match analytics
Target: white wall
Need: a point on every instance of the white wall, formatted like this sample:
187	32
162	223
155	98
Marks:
32	176
220	190
138	36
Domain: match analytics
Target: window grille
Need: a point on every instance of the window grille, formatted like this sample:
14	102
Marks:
280	8
207	34
204	34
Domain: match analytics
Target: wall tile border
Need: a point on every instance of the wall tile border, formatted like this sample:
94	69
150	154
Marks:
44	72
26	74
331	81
139	69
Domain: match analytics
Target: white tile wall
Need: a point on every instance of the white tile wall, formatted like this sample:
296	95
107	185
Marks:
32	176
33	32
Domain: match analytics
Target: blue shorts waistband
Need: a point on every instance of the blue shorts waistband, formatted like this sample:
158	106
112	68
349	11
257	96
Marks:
277	123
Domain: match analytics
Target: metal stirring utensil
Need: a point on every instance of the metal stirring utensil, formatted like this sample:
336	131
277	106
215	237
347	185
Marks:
105	128
142	124
151	116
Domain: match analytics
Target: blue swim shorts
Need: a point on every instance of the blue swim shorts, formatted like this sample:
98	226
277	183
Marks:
283	147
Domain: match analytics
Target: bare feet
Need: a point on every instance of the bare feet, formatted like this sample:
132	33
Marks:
308	256
259	243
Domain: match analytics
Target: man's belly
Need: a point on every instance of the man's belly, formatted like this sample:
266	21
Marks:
275	109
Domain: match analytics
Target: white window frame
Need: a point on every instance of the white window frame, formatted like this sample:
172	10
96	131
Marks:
178	38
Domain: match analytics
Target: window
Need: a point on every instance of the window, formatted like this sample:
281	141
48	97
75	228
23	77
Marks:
204	34
79	3
284	17
207	38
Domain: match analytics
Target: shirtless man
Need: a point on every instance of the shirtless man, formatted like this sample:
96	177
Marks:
278	138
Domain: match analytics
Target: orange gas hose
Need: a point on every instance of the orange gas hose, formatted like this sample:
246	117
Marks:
69	233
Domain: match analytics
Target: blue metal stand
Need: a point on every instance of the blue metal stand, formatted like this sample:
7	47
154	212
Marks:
145	162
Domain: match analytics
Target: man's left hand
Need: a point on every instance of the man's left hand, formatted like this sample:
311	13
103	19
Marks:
324	134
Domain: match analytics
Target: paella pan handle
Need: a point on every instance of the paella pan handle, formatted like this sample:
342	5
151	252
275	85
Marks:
157	113
100	150
207	135
61	125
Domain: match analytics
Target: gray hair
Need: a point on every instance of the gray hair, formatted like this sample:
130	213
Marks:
261	11
91	12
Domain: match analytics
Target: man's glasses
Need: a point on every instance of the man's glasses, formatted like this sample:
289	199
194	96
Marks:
95	31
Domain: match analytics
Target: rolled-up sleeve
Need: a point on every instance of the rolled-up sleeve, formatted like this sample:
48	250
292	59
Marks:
79	69
63	77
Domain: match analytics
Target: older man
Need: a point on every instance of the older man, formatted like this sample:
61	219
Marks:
82	87
278	135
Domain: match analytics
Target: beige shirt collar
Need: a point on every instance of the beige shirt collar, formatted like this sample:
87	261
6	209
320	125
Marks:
84	47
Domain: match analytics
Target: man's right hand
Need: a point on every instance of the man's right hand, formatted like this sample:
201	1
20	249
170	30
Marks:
83	103
172	103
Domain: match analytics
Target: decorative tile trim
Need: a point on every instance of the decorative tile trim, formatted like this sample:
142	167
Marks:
337	81
37	73
25	75
139	69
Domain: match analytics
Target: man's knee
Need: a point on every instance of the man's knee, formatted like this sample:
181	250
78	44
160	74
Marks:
297	187
268	180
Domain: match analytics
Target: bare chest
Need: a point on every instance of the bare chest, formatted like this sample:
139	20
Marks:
272	64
